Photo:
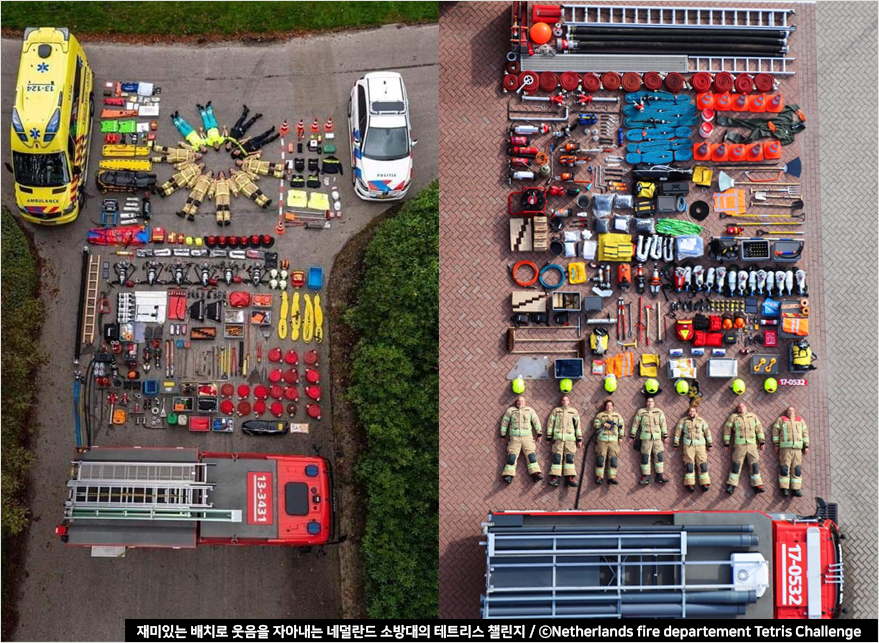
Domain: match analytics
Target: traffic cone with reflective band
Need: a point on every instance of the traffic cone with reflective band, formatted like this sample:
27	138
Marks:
723	102
328	126
300	129
757	103
315	126
280	228
775	104
737	153
740	103
285	129
772	150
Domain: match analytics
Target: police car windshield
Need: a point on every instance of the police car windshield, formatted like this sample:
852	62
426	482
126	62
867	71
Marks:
386	143
41	170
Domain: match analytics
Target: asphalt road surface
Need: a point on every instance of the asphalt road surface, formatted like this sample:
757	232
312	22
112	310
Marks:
67	595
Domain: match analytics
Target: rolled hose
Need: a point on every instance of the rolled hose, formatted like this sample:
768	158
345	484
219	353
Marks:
652	80
529	264
511	82
547	268
549	81
611	81
569	81
591	83
631	81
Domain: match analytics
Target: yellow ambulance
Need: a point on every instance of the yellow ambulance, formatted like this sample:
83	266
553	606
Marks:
51	126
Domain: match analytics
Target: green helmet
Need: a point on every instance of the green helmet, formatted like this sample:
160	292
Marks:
518	386
610	383
566	385
738	386
682	387
770	385
651	386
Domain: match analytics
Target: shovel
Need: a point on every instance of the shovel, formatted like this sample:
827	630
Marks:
762	196
793	205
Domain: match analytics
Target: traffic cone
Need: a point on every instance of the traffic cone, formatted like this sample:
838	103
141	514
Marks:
315	126
300	129
328	126
285	129
280	227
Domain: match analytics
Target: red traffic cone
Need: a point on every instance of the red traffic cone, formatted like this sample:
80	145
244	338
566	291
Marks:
300	129
328	126
285	129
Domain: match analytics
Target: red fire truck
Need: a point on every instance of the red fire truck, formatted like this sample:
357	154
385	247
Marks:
180	498
663	564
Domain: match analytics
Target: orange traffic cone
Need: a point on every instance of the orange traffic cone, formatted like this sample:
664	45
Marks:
300	129
315	126
285	129
328	126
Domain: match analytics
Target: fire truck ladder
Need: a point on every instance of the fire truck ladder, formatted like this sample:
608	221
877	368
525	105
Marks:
143	491
703	18
535	574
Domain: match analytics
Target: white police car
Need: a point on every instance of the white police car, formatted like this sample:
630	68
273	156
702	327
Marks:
381	144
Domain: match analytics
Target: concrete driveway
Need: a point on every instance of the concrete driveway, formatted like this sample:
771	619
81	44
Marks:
67	595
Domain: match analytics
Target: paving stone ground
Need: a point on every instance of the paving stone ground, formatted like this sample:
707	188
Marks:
474	295
846	49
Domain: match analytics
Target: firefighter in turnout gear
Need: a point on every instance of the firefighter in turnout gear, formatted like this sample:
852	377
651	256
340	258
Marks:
791	436
610	430
696	438
564	432
519	420
255	166
649	426
745	432
243	183
185	176
220	192
199	191
183	154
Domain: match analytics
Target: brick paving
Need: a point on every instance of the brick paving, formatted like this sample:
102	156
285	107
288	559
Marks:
474	310
846	52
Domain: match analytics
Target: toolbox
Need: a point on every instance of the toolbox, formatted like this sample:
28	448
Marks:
764	364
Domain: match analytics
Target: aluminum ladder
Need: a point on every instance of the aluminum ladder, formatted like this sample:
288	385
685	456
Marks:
142	491
90	310
594	15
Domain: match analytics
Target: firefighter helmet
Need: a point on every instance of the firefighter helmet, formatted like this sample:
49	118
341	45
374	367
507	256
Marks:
770	385
518	386
738	386
682	387
610	383
651	386
566	385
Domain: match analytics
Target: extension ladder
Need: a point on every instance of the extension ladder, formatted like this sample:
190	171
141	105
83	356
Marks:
90	310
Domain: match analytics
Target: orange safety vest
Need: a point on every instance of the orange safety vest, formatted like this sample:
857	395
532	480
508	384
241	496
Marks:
731	201
795	326
622	365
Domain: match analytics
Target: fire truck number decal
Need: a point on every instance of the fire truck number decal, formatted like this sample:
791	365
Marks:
259	498
792	575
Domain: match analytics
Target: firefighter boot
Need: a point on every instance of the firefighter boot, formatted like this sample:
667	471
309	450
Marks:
537	476
508	479
612	481
785	492
553	481
691	488
661	477
644	480
705	487
570	481
759	489
797	493
599	481
730	489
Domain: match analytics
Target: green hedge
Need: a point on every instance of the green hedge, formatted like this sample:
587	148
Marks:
21	357
396	392
211	18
